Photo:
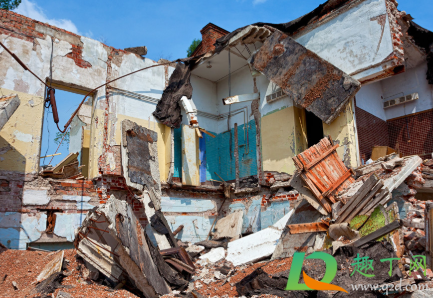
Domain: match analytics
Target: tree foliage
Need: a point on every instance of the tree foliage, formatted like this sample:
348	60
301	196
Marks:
9	4
59	137
192	47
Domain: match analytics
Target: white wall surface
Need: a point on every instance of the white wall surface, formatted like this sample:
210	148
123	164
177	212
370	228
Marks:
352	40
369	99
413	80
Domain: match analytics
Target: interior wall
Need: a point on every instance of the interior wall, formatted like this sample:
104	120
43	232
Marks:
369	99
411	81
282	139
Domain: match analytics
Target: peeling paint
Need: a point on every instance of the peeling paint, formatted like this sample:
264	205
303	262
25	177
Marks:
23	137
35	197
66	223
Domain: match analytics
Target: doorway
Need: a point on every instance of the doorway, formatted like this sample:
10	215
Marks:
314	128
56	146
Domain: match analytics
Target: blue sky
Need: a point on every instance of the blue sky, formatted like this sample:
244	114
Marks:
166	28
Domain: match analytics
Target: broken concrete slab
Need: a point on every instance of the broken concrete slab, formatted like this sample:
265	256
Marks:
8	106
343	229
140	159
141	51
290	65
258	245
229	227
288	244
55	265
214	255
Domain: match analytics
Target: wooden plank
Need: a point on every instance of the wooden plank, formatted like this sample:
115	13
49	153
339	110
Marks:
365	201
337	183
185	257
179	265
379	233
316	192
384	192
354	201
324	155
308	228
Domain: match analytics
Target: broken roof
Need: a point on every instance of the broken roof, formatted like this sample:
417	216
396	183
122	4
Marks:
328	90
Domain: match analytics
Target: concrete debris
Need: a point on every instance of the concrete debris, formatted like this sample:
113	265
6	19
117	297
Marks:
214	255
68	168
113	241
229	227
140	51
8	106
256	246
342	230
15	285
55	265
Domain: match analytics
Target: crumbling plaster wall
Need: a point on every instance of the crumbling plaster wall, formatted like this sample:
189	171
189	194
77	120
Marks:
197	211
84	63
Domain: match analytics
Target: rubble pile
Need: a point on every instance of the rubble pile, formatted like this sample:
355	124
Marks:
19	271
371	211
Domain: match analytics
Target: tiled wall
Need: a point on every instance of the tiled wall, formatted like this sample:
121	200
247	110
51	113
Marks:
413	133
372	131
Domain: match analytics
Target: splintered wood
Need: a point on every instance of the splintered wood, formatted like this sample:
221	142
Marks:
323	171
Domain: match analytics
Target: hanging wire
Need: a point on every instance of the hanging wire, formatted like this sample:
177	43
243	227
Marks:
48	139
90	92
60	144
47	103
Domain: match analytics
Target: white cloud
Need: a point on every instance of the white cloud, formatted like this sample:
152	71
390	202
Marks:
259	1
33	11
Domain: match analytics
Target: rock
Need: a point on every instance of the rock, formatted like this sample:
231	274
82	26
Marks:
15	285
62	294
214	255
423	242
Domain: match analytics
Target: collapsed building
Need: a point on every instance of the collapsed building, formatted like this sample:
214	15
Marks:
223	135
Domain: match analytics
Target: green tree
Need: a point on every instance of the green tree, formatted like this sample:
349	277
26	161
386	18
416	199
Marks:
59	137
192	47
9	4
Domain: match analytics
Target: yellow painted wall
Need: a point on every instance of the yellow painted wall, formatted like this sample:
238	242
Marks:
20	138
342	131
96	141
282	138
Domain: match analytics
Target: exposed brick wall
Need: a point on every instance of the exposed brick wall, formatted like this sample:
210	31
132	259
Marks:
210	33
372	131
396	33
19	26
413	133
77	56
110	162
